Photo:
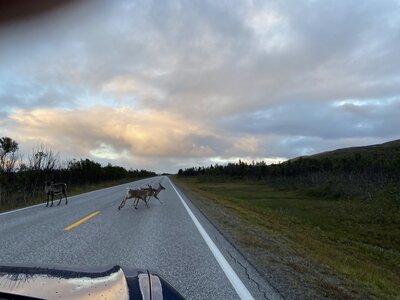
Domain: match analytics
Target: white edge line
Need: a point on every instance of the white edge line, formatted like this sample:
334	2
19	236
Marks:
237	284
19	209
36	205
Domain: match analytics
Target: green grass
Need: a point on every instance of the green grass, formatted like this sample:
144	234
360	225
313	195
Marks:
359	241
71	191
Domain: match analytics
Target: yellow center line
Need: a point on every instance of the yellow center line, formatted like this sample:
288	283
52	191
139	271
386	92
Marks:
81	221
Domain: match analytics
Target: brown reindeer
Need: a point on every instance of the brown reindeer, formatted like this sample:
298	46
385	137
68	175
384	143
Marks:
154	192
136	195
52	189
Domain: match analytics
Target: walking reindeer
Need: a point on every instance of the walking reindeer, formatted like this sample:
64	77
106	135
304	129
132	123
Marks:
136	195
53	189
154	192
142	194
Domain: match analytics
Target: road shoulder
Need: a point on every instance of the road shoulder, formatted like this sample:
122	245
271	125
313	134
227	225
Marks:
274	269
258	285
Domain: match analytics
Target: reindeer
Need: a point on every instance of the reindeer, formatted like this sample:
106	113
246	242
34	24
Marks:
52	189
154	192
136	195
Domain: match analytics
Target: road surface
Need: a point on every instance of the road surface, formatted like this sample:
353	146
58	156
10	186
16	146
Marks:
91	231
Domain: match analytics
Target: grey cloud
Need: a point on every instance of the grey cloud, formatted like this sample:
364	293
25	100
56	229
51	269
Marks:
50	98
207	50
321	120
291	147
204	61
217	144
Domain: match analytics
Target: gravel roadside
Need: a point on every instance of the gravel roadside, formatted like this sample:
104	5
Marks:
293	276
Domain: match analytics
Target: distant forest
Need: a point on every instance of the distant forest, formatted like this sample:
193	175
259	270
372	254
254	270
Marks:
22	178
362	171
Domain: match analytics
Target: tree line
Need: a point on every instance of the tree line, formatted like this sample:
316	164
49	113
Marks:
383	169
352	174
22	178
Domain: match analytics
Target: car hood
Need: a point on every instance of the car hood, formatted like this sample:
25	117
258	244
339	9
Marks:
30	282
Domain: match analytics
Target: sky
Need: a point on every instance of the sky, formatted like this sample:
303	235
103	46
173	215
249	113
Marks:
164	85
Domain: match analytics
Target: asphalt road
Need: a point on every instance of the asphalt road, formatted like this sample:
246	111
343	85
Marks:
162	238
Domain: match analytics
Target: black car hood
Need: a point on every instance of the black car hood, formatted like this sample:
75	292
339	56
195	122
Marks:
27	282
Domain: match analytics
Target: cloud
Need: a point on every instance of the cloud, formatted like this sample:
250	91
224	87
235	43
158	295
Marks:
348	119
179	80
121	85
186	57
129	136
108	132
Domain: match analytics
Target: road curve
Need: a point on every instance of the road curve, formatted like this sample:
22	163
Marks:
91	231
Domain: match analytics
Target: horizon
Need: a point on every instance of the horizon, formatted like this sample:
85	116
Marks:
167	86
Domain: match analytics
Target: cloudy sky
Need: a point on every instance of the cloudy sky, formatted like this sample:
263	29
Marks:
170	84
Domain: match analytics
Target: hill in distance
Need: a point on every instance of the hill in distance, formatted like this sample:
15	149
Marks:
389	150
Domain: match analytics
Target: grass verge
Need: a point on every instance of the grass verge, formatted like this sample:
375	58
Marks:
355	241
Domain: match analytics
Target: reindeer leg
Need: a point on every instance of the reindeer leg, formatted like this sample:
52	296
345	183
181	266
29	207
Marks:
155	196
48	196
122	204
60	200
52	199
145	201
66	199
137	202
